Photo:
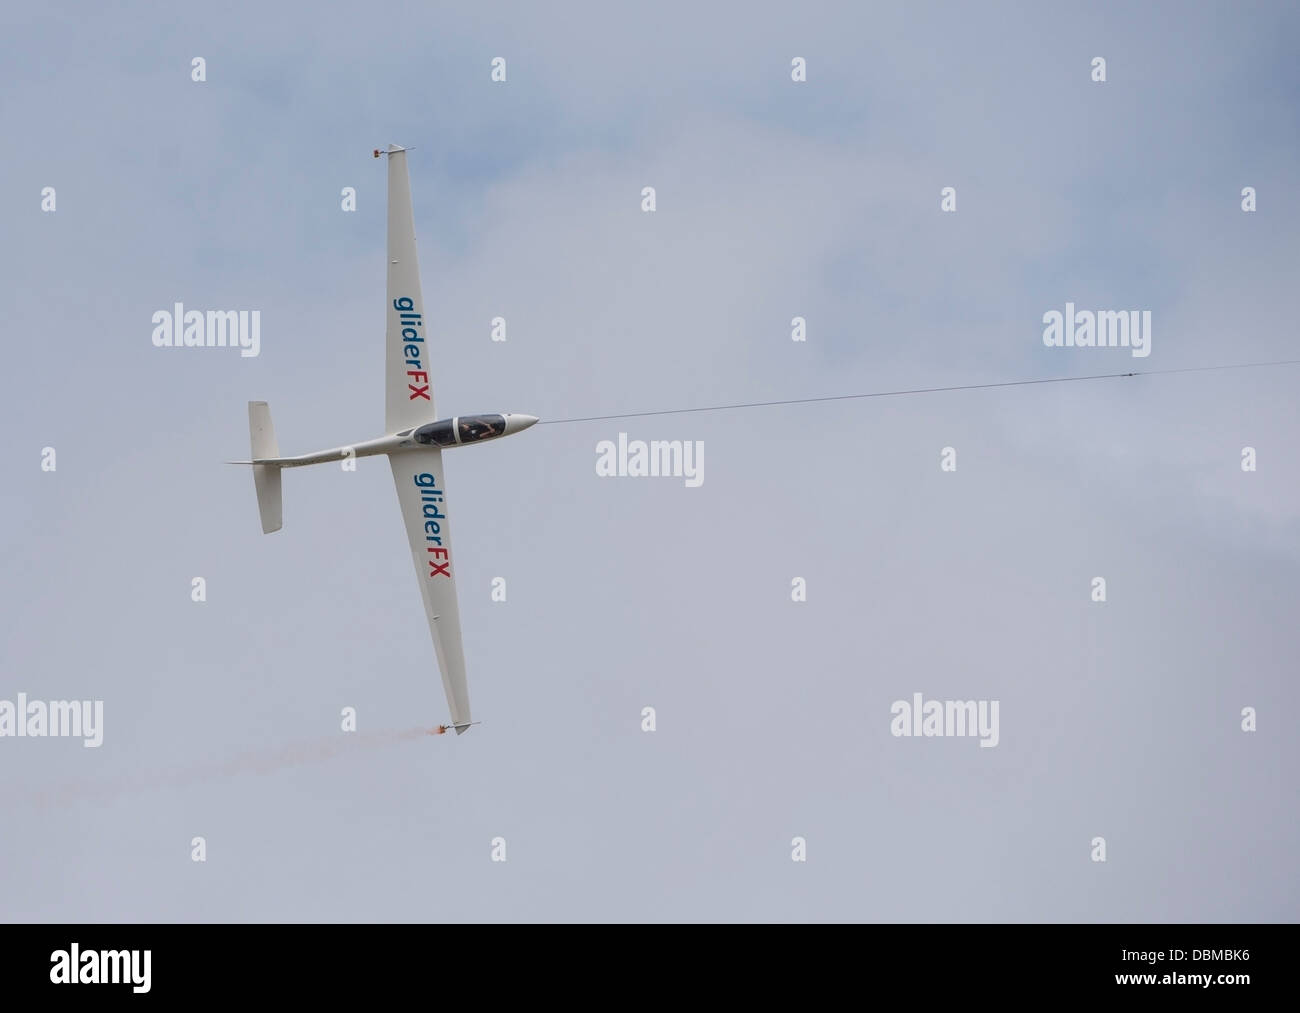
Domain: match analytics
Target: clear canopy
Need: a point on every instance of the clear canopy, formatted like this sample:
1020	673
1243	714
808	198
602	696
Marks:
468	427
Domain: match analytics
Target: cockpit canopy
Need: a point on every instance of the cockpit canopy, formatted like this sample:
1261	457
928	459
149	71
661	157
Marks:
462	429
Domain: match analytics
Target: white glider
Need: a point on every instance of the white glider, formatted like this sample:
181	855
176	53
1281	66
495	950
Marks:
414	442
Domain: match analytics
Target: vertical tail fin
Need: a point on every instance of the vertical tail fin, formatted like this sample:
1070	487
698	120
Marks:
266	477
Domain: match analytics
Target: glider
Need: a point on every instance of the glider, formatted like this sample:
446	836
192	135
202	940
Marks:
414	443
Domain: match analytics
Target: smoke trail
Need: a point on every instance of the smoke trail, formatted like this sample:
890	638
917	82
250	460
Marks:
265	761
317	751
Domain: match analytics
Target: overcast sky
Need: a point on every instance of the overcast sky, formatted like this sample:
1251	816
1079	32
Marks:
1119	720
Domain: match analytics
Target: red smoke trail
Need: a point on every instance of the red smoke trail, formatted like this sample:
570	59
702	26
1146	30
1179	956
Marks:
265	761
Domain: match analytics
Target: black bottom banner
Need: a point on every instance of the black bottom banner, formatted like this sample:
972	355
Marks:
340	962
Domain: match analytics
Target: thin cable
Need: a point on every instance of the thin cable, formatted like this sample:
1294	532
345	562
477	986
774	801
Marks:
923	390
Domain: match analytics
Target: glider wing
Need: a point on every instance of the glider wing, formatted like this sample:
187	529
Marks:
408	394
422	492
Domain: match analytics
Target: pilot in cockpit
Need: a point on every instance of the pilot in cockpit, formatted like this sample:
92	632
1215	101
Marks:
477	427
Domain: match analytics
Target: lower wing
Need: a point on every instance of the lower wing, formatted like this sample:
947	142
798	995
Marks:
422	493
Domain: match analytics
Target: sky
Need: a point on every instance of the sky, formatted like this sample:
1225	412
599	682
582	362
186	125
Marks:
773	787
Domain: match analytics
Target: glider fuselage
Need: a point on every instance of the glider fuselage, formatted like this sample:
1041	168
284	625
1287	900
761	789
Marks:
457	431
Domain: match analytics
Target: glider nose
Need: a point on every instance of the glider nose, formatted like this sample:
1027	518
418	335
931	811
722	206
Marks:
516	423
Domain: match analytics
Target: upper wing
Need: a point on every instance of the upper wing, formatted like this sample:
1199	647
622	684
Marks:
408	396
420	488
